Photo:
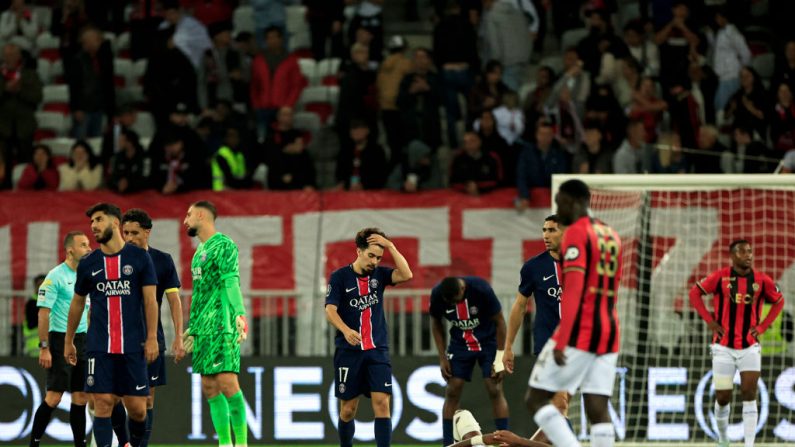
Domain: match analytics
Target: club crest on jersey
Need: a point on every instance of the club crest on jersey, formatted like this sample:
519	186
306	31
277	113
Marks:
204	256
473	310
127	270
342	388
572	253
755	286
373	283
90	380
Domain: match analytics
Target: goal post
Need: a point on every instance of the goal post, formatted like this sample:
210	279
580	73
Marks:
676	229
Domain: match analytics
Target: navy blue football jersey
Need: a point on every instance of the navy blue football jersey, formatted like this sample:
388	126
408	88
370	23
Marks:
360	304
114	284
472	326
540	277
167	279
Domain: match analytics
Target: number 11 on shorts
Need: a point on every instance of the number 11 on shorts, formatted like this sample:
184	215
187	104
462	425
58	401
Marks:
343	374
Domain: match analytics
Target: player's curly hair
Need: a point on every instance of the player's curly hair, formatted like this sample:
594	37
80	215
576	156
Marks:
108	209
137	215
450	288
363	234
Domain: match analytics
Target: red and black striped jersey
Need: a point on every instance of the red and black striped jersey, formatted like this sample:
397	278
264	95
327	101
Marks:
591	274
737	303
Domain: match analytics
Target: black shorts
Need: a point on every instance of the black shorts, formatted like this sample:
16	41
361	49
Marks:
63	376
157	370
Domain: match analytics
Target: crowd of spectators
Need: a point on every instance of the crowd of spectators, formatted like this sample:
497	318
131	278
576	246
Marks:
212	94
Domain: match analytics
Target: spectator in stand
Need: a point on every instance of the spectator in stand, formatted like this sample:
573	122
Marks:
577	81
455	48
190	35
537	98
788	162
280	134
419	101
567	14
41	173
592	157
17	24
538	161
509	117
648	107
128	167
603	108
269	14
634	156
221	68
785	66
643	50
678	41
707	159
748	106
368	15
92	94
474	170
357	94
210	11
748	154
67	23
729	54
669	158
228	165
276	80
601	47
83	171
246	46
567	120
782	119
126	116
624	77
292	168
326	19
501	27
361	163
487	93
492	141
396	66
683	109
182	168
20	95
170	79
703	86
178	128
419	171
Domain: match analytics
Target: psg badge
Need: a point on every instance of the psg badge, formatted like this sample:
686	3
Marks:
373	283
342	388
127	270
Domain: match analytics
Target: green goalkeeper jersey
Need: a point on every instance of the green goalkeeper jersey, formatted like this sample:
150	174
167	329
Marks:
216	300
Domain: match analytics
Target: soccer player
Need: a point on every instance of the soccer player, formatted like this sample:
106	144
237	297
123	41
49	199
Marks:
136	228
583	350
355	306
540	277
466	433
738	293
217	323
122	331
477	329
55	296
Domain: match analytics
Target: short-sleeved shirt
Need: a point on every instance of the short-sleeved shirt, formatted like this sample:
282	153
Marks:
167	280
737	301
215	261
56	293
360	305
115	283
589	320
540	277
472	327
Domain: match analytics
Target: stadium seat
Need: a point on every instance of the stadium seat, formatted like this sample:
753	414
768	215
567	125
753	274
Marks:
16	173
43	70
145	143
309	70
123	45
296	19
243	19
139	71
764	64
260	175
56	72
50	125
60	146
55	98
328	71
144	125
96	145
319	100
122	72
526	88
48	45
628	12
300	41
572	37
307	121
132	94
43	16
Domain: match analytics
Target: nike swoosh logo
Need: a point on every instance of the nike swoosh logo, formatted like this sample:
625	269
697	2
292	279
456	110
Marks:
154	377
547	277
96	273
387	384
215	365
449	311
140	387
350	290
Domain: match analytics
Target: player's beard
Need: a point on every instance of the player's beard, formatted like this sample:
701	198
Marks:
105	236
192	231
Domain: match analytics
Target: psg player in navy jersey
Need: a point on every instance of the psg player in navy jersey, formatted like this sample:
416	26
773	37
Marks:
477	329
136	228
540	277
122	331
355	306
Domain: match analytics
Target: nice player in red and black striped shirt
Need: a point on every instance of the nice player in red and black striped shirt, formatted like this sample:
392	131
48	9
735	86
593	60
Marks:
738	293
583	351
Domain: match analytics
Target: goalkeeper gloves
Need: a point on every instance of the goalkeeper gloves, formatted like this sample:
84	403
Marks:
241	325
187	341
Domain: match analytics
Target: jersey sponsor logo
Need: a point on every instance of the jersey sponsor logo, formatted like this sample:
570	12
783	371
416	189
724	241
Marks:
93	273
196	273
363	302
554	292
466	325
547	278
115	287
127	270
572	253
743	298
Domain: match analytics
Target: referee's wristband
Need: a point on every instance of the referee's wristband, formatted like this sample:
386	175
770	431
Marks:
498	365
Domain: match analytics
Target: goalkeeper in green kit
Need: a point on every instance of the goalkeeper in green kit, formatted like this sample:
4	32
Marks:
217	323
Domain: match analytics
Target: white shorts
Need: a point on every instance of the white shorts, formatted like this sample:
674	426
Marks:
726	361
593	374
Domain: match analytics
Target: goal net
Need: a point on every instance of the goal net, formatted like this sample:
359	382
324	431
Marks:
675	230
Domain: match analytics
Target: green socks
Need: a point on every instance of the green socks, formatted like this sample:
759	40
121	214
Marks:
219	412
237	413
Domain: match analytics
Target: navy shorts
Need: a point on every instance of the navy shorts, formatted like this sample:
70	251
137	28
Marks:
361	372
119	374
157	370
463	362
